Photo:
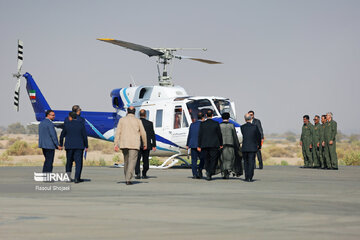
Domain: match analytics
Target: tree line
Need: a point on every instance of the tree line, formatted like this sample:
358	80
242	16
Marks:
18	128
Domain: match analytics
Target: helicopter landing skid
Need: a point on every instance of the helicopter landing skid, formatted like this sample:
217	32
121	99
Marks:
168	163
171	161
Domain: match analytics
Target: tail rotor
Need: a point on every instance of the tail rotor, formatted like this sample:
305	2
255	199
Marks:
18	75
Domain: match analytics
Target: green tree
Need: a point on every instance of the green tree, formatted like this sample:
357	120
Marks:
290	136
32	129
16	128
340	136
354	138
2	130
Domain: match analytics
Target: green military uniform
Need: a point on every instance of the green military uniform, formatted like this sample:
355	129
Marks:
330	150
323	162
306	139
315	142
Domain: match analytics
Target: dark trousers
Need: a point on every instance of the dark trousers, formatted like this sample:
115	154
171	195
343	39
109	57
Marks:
195	155
249	162
49	159
74	155
211	157
259	157
145	158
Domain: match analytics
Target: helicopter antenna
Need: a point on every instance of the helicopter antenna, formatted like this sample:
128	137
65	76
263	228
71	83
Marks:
165	57
133	80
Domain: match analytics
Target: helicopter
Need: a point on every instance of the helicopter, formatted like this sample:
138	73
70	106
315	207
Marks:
168	106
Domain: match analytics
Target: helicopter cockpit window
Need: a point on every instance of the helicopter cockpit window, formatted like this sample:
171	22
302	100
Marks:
116	102
201	105
142	93
224	106
159	118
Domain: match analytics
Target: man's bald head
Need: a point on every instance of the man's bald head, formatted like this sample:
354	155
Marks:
131	110
247	117
142	113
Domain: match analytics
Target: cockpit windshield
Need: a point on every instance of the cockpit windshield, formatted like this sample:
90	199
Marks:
200	105
224	106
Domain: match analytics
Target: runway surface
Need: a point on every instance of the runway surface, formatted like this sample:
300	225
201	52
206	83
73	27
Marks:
284	202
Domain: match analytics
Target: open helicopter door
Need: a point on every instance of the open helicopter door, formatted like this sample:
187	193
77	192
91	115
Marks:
233	109
180	128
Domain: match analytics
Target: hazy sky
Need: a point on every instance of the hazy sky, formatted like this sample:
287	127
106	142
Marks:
282	59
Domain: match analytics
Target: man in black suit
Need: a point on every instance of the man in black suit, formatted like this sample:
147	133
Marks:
76	109
209	143
76	142
257	122
251	144
151	144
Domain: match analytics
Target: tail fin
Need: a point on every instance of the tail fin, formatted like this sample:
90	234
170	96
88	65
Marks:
38	101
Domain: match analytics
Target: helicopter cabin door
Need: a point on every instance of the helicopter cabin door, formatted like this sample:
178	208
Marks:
180	124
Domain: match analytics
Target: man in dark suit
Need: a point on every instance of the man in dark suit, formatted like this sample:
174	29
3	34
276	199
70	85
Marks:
48	140
151	144
209	143
76	109
75	144
192	143
257	122
251	144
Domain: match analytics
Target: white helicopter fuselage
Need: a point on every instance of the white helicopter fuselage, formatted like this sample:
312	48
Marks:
171	110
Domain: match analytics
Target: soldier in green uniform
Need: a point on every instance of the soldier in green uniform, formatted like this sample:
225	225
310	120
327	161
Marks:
316	142
330	141
306	141
323	162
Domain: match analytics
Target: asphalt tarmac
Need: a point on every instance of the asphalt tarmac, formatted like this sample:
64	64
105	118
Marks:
284	202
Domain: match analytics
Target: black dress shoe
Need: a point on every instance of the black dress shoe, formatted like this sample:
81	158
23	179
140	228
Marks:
145	177
137	176
129	183
226	176
208	176
78	180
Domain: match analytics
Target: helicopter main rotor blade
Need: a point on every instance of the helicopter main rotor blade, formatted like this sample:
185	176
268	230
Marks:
136	47
199	60
205	61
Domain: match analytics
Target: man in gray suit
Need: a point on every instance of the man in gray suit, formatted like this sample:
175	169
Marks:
257	122
48	140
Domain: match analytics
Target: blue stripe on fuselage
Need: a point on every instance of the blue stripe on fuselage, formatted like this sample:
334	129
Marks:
126	97
164	140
